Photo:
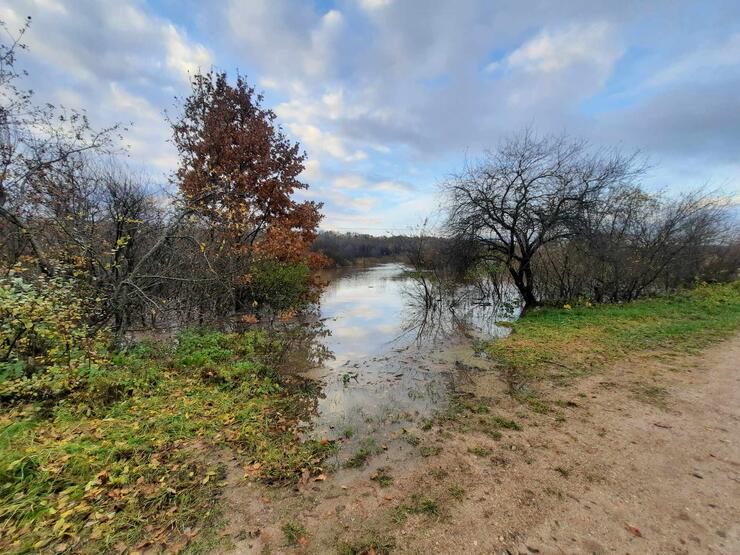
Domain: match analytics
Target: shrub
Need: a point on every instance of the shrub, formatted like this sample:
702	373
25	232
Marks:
280	286
46	343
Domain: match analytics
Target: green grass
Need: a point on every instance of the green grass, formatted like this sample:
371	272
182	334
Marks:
130	456
293	532
416	505
480	451
573	341
501	422
383	477
456	492
373	543
368	447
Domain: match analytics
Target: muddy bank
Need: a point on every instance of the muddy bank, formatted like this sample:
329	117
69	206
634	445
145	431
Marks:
641	458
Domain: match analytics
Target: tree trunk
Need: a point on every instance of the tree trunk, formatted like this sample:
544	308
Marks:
525	288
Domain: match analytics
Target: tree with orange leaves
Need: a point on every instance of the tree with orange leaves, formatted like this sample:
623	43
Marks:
239	172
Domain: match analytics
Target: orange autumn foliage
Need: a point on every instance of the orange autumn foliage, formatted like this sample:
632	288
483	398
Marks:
239	172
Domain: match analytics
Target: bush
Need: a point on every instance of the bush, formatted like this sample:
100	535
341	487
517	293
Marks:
280	286
46	344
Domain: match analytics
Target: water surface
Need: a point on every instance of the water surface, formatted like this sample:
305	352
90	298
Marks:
391	360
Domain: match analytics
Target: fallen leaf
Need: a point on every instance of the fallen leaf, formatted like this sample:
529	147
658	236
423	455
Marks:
633	530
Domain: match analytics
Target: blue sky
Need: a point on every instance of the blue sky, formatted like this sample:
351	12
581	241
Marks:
388	97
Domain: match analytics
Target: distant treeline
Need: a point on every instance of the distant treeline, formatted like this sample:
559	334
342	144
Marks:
348	248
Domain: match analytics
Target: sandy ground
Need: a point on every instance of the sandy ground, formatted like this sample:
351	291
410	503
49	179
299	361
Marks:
643	457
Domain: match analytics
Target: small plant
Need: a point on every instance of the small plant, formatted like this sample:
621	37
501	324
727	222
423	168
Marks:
501	422
564	472
438	473
430	450
479	451
349	376
377	544
456	492
367	449
347	433
382	477
293	532
411	439
416	505
537	405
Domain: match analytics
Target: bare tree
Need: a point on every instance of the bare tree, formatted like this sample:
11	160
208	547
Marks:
530	193
39	143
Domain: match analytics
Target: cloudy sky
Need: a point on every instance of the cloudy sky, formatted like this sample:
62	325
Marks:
390	96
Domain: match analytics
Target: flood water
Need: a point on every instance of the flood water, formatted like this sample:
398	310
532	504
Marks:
393	356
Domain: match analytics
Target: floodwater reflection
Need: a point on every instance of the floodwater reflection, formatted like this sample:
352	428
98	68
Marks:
388	346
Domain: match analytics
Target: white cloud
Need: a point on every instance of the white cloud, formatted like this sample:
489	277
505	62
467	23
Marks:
317	141
349	181
371	5
392	187
553	51
147	139
699	62
312	170
376	88
184	57
116	60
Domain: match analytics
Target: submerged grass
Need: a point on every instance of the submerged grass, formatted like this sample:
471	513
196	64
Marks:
135	469
585	337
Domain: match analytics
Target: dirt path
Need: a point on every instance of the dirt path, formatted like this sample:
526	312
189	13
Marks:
672	473
641	458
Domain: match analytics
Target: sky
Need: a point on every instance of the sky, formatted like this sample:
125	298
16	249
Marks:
390	97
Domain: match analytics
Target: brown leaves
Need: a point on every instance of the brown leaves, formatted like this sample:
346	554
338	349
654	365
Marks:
239	171
633	530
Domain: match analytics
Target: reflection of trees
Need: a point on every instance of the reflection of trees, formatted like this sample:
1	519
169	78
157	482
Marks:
294	345
437	309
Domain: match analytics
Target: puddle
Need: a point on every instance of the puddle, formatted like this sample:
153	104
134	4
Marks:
393	356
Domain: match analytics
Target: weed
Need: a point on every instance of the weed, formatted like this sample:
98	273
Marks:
375	543
554	492
564	472
411	439
438	473
501	422
480	451
535	403
650	394
430	450
456	492
133	470
382	476
417	505
348	432
293	532
368	448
